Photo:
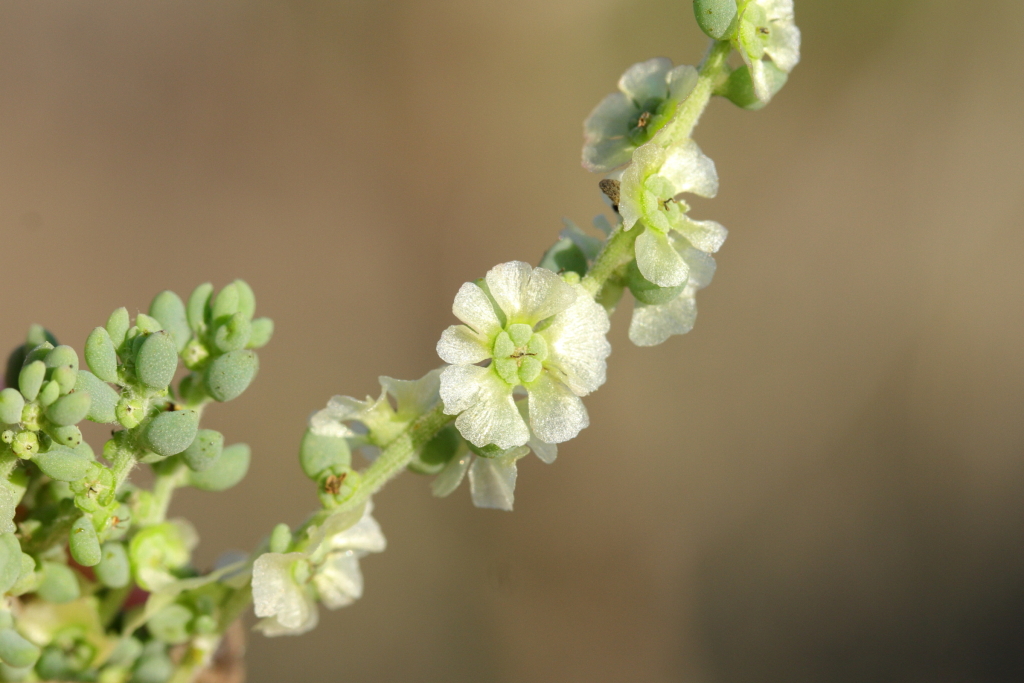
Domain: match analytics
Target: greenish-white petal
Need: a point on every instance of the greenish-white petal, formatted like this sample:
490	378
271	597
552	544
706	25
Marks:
784	45
473	307
492	481
451	476
701	264
646	80
658	261
601	156
276	595
527	294
365	536
483	402
414	397
681	81
635	200
556	413
460	345
547	452
759	77
651	325
577	346
690	170
707	236
338	581
609	118
588	244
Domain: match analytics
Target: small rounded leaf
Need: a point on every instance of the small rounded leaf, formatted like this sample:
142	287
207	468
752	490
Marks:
739	88
198	307
280	539
169	310
147	324
170	624
84	543
320	453
11	405
226	303
246	299
157	360
114	570
229	375
717	18
49	393
153	668
61	356
69	410
117	326
62	463
262	331
65	376
30	380
101	355
16	651
564	256
171	433
104	398
228	470
38	352
60	583
233	333
204	451
10	561
437	452
70	436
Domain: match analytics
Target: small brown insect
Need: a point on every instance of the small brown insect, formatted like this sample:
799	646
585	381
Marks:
333	483
611	190
520	354
763	30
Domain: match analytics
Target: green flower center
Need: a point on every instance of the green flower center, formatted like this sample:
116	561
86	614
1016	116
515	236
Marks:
651	117
519	354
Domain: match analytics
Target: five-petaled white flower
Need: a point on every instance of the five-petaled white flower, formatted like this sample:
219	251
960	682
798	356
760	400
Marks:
767	28
534	330
653	323
649	94
648	196
287	586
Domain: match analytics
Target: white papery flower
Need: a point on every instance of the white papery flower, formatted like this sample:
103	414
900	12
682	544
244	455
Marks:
351	418
534	330
492	480
649	197
287	586
649	94
767	28
652	324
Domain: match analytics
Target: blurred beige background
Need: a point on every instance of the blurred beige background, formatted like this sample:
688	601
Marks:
823	482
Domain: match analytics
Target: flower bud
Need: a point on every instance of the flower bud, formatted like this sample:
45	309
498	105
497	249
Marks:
69	410
16	651
226	303
100	355
169	310
320	453
130	411
646	291
117	326
229	375
158	550
204	450
233	333
11	405
228	470
262	331
60	583
199	307
171	433
84	543
104	398
280	539
62	463
48	394
25	444
10	561
170	624
157	360
30	379
717	18
564	256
